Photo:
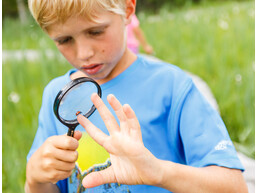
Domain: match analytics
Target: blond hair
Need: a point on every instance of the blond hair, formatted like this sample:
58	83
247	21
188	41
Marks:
48	12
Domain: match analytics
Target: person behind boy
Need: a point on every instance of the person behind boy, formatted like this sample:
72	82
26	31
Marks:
136	37
172	141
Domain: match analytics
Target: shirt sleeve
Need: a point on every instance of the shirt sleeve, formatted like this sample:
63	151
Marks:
46	128
204	136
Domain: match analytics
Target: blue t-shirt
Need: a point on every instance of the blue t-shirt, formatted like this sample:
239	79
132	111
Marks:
177	123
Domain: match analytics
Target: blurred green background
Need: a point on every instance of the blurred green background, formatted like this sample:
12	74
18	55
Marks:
212	39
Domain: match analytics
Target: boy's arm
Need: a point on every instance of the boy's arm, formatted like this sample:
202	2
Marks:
133	163
31	185
182	178
41	188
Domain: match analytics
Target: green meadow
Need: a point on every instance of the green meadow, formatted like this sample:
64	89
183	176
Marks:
214	41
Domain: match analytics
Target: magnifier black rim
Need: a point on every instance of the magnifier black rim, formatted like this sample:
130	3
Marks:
62	93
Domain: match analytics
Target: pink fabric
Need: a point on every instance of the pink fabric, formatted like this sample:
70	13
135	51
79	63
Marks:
132	42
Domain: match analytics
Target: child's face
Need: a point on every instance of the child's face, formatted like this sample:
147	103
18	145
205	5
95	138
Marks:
96	49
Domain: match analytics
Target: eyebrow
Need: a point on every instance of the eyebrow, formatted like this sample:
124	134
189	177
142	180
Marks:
102	26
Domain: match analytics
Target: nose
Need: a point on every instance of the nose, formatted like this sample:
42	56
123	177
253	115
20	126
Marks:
84	50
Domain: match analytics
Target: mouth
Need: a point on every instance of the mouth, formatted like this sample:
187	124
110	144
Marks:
91	69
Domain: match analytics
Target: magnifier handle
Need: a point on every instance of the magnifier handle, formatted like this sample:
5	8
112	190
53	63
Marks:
70	132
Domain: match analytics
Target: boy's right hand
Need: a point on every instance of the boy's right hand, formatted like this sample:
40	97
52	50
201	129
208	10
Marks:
54	160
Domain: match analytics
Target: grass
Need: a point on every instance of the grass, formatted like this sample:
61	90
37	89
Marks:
30	36
214	41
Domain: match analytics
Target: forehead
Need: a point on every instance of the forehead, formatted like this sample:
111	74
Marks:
74	25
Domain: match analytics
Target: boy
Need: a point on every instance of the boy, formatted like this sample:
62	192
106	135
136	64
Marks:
172	141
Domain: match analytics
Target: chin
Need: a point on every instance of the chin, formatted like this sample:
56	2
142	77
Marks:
98	76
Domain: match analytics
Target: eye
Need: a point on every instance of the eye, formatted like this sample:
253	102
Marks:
64	40
96	32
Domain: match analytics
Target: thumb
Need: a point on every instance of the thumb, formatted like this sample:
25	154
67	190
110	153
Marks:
77	135
98	178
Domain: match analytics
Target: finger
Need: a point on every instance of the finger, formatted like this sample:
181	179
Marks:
118	108
105	114
63	142
61	165
65	155
57	175
134	125
130	114
98	178
95	133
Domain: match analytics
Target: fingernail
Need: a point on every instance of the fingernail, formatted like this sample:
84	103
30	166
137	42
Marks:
93	94
111	96
126	106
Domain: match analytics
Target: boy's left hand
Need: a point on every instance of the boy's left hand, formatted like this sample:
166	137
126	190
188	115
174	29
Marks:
131	162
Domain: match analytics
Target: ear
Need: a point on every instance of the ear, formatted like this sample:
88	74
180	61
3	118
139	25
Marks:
130	10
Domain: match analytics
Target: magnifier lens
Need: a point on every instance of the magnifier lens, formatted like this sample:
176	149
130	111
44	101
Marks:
73	99
78	99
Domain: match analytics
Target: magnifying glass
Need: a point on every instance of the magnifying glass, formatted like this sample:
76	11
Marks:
74	99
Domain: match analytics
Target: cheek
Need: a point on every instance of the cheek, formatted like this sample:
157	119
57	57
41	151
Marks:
110	49
67	53
114	46
115	41
62	50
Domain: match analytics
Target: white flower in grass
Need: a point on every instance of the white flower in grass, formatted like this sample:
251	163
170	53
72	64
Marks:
238	78
171	16
223	24
14	97
42	42
236	10
188	17
191	16
251	13
154	19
